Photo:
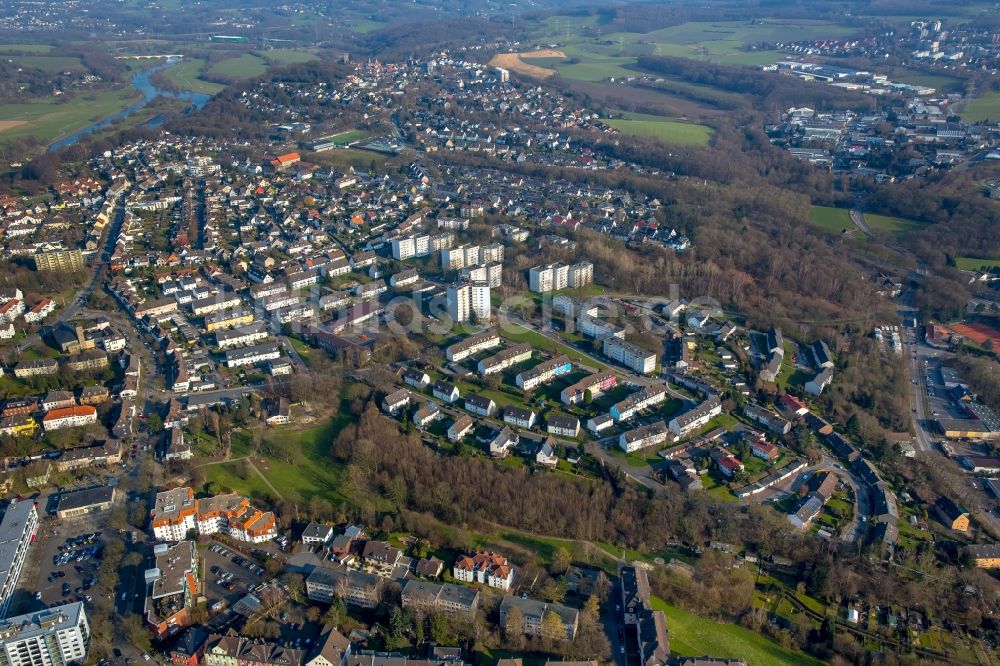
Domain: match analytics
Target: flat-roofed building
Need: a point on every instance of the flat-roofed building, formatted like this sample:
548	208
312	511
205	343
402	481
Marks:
55	636
17	531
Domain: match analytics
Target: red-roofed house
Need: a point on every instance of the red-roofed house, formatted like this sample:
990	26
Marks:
764	449
793	405
488	568
282	162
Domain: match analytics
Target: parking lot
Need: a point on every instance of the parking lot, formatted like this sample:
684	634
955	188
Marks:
229	575
62	566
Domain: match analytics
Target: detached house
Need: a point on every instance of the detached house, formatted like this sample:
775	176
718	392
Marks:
445	391
519	416
460	428
396	401
418	379
480	404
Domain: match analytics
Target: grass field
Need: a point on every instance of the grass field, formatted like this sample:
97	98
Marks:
242	67
593	66
892	226
47	63
310	473
25	48
664	129
982	108
187	76
835	220
287	56
937	81
692	636
518	333
50	119
975	263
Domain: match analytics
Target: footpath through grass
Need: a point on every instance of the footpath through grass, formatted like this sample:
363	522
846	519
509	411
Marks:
694	636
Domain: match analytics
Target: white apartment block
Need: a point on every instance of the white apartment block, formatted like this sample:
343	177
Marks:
236	358
411	246
17	530
491	274
491	254
551	277
50	637
466	299
457	258
581	274
631	356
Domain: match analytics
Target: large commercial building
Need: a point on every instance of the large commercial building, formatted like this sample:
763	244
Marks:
17	531
50	637
466	299
177	512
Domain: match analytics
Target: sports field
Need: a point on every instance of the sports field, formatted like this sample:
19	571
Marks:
979	333
982	108
693	636
664	129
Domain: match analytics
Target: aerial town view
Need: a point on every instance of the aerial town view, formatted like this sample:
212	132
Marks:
469	333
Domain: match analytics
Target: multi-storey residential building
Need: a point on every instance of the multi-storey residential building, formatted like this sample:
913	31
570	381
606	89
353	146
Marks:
472	345
353	587
491	274
686	423
534	612
596	328
642	399
504	359
580	274
457	258
491	253
55	636
411	246
631	356
543	373
453	600
550	277
172	586
217	303
236	358
639	438
62	261
468	299
593	385
69	417
36	368
244	335
228	319
177	512
17	530
487	568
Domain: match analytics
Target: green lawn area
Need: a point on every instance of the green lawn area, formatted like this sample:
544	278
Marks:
893	226
664	129
50	119
975	263
593	66
242	67
937	81
310	472
25	48
50	63
518	333
692	636
287	56
835	220
982	108
187	76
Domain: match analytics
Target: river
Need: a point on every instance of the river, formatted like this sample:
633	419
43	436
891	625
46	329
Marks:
140	81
